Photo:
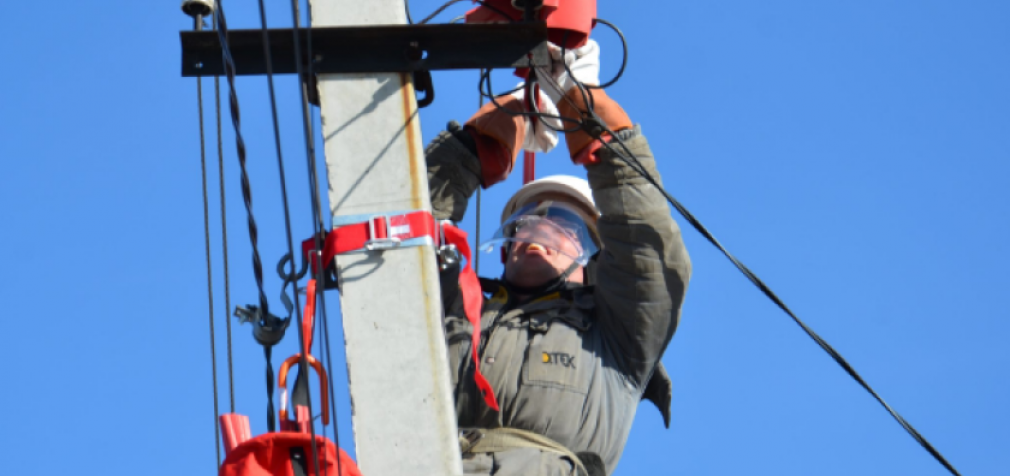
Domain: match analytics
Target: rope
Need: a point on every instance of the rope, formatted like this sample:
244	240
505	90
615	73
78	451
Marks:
210	287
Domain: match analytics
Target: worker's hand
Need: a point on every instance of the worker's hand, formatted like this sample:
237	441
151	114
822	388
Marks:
541	134
583	63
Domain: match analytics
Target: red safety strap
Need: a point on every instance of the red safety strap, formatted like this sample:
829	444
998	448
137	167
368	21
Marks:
309	315
403	227
356	236
472	301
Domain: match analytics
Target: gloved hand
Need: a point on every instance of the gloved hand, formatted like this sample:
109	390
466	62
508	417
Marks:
583	62
541	134
583	67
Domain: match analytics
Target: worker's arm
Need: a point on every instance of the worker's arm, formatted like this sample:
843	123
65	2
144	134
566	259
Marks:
482	152
643	269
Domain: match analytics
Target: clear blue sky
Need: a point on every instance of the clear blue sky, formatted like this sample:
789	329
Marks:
854	154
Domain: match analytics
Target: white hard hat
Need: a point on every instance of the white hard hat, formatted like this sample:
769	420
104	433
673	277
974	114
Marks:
552	188
565	189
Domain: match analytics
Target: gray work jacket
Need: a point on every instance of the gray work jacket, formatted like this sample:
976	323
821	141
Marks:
573	365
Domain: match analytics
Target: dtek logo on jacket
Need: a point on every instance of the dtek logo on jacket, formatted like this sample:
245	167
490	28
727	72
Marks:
559	358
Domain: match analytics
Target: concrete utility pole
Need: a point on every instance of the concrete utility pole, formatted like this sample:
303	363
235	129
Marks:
404	419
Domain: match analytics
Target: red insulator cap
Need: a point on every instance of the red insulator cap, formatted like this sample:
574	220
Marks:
568	21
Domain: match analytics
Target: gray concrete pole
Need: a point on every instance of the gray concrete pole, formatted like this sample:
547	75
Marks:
404	418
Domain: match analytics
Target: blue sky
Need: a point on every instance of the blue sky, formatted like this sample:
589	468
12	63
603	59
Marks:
853	154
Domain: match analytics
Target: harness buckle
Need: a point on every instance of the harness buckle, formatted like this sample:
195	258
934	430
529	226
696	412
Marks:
387	231
387	241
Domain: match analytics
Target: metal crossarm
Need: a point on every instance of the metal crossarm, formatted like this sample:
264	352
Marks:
372	49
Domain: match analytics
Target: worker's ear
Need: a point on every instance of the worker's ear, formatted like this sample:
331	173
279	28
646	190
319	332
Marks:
504	255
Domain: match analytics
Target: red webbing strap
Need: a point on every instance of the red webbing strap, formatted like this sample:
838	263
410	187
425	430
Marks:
309	315
472	300
403	227
353	237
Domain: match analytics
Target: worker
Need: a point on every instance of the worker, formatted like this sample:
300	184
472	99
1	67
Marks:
595	274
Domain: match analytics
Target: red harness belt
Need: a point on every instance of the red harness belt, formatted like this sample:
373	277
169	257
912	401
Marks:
382	232
473	300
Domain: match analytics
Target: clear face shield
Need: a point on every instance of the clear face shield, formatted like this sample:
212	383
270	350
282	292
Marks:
548	224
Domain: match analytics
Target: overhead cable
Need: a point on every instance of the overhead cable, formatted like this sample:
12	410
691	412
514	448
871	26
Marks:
224	235
197	11
210	282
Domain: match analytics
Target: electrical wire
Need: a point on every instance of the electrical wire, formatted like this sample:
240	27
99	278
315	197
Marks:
476	256
439	10
287	211
224	233
229	67
317	225
624	58
493	98
210	285
630	159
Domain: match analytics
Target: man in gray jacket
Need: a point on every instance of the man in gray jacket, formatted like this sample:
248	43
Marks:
572	335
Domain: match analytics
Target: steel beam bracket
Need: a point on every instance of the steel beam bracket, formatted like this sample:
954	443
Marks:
371	49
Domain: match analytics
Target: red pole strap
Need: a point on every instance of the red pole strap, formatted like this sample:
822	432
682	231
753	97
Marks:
403	227
309	315
472	302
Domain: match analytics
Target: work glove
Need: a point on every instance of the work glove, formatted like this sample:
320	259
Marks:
583	67
583	62
541	134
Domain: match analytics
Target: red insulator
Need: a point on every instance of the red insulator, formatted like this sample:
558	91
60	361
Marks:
574	18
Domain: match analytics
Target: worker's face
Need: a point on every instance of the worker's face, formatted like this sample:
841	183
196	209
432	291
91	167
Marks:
532	264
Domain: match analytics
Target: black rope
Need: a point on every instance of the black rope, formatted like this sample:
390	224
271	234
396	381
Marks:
224	234
206	235
592	122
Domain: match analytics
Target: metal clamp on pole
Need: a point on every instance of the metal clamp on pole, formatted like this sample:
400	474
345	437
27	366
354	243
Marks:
448	253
